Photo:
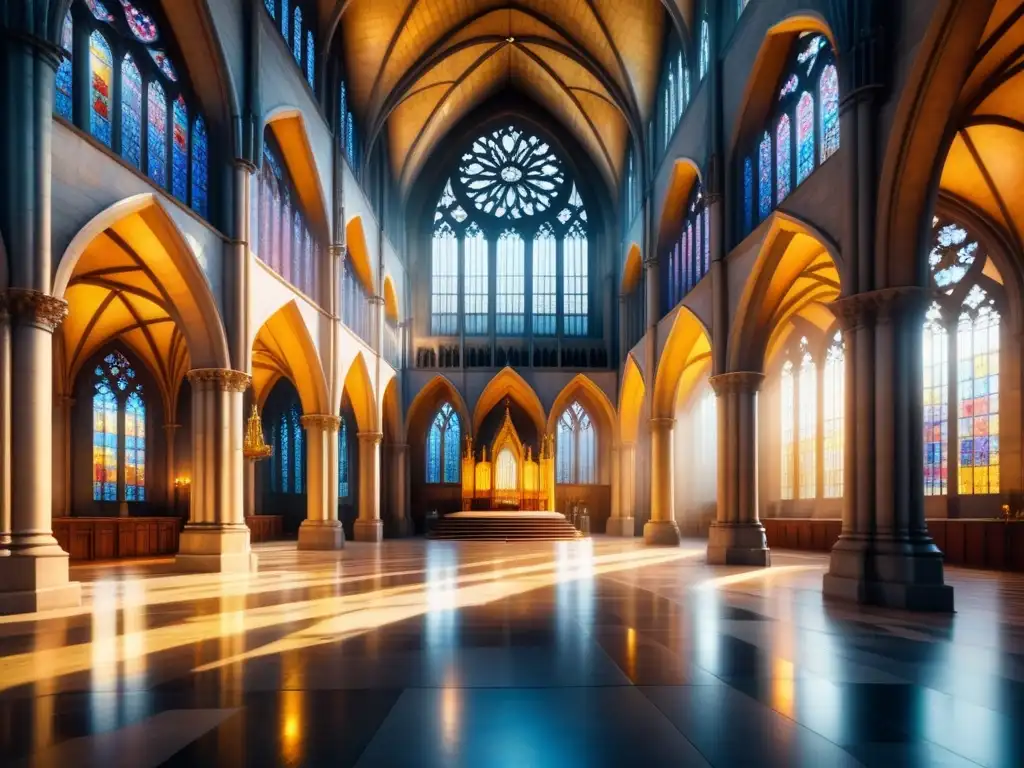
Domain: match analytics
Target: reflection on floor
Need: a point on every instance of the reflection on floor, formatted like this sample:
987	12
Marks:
589	653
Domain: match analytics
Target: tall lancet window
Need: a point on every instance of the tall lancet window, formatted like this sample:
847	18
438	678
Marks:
477	289
443	446
545	281
833	405
510	303
575	447
119	431
343	463
787	392
807	422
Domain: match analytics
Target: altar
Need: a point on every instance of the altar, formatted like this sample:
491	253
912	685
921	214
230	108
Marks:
512	480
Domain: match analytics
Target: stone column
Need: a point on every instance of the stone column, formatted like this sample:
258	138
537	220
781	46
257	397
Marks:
369	526
321	529
622	523
736	537
216	538
885	555
34	574
399	489
662	527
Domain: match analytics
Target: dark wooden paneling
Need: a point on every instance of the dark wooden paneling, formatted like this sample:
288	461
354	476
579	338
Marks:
265	527
116	538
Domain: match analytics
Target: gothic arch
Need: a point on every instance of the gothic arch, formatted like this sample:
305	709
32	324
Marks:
359	388
631	401
423	407
391	411
508	383
284	348
685	173
795	267
357	252
632	269
591	397
289	128
685	359
391	309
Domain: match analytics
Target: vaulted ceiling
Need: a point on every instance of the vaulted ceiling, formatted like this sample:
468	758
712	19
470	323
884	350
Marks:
415	68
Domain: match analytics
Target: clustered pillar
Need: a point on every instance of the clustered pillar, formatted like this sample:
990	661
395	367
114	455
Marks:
736	537
216	538
885	555
321	529
369	526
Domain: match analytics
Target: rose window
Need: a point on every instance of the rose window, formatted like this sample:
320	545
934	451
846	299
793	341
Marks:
510	174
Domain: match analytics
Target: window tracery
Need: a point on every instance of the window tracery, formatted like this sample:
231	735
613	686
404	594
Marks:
575	447
119	431
444	441
297	33
689	257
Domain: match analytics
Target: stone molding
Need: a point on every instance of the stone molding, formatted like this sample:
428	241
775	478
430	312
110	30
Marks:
659	424
322	421
226	379
885	305
375	300
34	308
47	50
737	382
371	437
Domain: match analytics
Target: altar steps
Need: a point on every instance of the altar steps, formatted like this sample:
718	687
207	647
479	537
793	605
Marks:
508	528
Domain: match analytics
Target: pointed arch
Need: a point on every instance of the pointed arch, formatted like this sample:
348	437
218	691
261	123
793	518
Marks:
390	300
631	400
632	270
437	391
357	252
391	411
284	348
583	389
359	388
685	173
796	268
508	383
289	129
685	359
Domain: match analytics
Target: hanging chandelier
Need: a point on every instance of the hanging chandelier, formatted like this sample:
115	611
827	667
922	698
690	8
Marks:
254	447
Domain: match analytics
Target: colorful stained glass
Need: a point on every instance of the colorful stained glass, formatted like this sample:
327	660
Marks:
787	417
179	150
131	111
285	440
135	448
64	85
156	134
343	463
748	195
271	8
141	25
783	160
285	16
828	95
101	76
833	406
452	443
978	348
200	158
297	36
789	87
310	59
99	10
707	241
804	137
936	403
104	439
764	171
164	64
297	435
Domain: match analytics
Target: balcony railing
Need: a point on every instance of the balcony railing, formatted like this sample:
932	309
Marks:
355	307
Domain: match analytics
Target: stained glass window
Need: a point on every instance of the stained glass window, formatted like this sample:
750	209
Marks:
284	439
135	448
936	403
764	170
297	36
131	111
705	47
804	137
444	282
510	294
829	99
271	8
576	285
707	241
140	24
444	441
807	422
157	134
310	59
545	276
104	440
284	20
575	447
115	390
783	160
298	436
342	114
833	406
65	78
200	153
343	463
787	392
99	11
350	139
978	393
748	194
476	276
179	151
102	78
511	173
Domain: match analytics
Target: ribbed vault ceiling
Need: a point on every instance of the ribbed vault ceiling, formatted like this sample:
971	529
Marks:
416	67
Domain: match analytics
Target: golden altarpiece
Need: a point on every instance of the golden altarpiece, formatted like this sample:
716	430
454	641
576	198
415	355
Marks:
512	479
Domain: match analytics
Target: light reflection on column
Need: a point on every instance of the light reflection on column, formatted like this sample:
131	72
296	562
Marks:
442	616
103	653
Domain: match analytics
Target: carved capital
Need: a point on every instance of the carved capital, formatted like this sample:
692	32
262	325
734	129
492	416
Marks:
737	382
46	50
661	424
245	164
373	438
322	421
864	310
35	308
225	379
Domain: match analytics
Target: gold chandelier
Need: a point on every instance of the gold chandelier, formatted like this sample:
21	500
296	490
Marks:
254	447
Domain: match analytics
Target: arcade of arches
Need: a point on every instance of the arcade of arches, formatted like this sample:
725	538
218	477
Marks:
694	266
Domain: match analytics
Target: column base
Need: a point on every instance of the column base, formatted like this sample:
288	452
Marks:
321	535
621	526
662	533
738	544
205	548
368	530
889	573
30	583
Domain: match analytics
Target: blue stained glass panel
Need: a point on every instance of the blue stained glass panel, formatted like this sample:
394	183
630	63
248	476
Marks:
310	59
285	441
179	150
64	83
270	8
131	112
298	436
343	465
434	454
101	74
297	36
804	137
284	20
452	441
156	134
829	97
748	195
764	170
200	158
783	160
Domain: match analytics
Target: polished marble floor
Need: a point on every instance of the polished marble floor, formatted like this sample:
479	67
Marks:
592	653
